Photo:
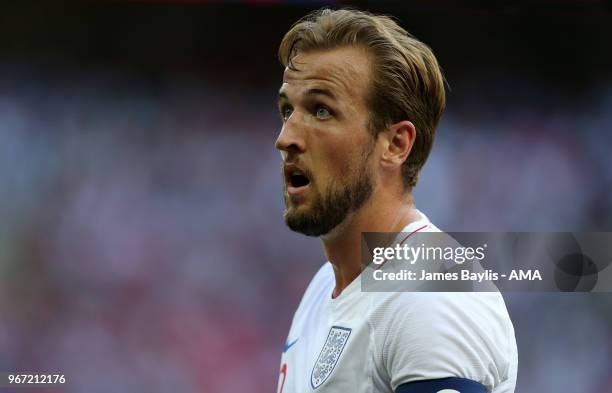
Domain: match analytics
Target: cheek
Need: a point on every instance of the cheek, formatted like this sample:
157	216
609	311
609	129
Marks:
343	160
338	152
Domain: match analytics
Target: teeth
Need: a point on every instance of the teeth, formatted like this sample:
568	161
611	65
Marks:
297	173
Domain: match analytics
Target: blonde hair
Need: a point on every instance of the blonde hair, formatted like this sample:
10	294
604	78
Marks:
407	82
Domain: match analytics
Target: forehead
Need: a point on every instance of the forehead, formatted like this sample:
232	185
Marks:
345	71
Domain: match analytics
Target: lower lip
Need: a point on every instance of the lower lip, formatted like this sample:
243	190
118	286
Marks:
297	190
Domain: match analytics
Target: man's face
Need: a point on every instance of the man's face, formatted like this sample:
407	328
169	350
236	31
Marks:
325	142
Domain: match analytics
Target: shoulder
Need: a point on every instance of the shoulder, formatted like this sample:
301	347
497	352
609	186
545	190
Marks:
438	335
424	311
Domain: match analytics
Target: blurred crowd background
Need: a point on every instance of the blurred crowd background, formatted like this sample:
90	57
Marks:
142	247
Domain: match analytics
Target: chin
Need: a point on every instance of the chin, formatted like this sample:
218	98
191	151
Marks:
295	212
301	221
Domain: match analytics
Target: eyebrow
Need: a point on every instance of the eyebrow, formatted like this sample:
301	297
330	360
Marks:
310	92
318	91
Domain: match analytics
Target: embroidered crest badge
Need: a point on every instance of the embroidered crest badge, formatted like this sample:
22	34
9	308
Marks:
332	349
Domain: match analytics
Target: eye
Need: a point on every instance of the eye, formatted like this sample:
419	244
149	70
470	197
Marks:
322	112
286	111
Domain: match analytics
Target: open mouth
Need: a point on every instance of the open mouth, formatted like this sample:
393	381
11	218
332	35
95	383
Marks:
297	179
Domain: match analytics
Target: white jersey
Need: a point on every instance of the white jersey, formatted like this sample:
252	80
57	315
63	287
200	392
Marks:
374	341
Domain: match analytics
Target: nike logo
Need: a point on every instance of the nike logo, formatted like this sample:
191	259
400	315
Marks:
289	345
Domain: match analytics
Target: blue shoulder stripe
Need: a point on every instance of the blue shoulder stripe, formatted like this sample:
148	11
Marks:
453	385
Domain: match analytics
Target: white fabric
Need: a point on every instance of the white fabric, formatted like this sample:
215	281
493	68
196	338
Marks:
396	338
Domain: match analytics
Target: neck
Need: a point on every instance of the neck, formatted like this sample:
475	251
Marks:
343	245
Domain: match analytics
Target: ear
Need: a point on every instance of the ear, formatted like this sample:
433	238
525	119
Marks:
400	139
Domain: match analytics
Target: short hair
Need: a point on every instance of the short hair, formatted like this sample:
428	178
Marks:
406	84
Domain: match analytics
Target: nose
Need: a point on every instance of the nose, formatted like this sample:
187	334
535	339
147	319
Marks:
291	138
